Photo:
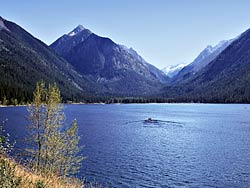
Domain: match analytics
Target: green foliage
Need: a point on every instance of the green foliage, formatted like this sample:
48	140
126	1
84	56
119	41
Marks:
7	174
40	184
7	171
69	160
52	148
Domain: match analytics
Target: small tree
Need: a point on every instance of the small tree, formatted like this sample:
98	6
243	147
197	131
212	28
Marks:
52	148
36	118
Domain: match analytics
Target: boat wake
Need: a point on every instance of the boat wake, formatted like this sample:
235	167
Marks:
156	122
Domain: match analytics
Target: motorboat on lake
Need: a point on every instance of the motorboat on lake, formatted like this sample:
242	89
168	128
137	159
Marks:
150	120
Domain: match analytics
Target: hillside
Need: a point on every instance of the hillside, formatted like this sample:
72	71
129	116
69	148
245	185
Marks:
24	60
202	60
118	69
89	67
225	79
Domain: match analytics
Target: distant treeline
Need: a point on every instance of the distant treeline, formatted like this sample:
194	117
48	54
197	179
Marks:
125	100
112	100
107	100
20	96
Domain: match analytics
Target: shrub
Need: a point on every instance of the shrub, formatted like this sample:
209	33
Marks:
40	184
7	174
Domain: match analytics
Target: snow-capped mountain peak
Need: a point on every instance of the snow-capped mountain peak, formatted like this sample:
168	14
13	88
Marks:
209	53
77	30
203	59
209	48
173	70
220	45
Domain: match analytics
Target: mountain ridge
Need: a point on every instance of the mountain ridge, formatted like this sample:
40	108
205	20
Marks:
224	79
109	64
85	65
24	60
202	60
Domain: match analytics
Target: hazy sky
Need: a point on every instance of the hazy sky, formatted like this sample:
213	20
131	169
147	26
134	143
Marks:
164	32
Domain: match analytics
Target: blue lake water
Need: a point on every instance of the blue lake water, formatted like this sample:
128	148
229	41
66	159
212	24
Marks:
194	145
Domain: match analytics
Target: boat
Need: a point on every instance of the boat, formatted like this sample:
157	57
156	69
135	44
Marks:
150	120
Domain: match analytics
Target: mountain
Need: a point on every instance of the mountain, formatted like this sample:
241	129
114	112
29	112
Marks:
225	79
85	65
155	71
116	68
68	41
24	60
202	60
173	70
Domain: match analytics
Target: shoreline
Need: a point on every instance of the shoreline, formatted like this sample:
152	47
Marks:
5	106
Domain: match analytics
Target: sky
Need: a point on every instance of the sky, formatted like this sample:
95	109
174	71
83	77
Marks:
163	32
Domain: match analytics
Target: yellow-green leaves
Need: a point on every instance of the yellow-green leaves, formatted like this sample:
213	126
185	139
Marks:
53	147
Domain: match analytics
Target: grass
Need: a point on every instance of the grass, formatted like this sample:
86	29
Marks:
14	175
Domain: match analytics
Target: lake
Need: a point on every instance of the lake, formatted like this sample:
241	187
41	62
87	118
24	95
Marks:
192	145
